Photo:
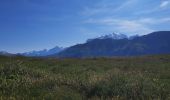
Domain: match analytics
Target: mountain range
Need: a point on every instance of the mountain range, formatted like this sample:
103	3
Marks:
110	45
153	43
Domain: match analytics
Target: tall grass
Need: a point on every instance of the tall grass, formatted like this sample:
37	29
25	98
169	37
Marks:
135	78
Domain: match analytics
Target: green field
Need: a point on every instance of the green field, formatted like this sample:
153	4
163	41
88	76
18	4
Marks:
133	78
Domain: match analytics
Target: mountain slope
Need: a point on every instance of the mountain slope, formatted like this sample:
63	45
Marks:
153	43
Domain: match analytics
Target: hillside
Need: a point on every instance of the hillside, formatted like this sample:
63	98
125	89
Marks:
153	43
133	78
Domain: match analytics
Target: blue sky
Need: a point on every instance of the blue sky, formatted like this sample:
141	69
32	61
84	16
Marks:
27	25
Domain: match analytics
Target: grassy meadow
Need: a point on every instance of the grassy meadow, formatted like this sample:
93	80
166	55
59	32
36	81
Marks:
119	78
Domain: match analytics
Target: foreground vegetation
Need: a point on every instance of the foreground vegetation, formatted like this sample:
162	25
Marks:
133	78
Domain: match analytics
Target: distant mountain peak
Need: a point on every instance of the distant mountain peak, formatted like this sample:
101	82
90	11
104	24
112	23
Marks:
115	36
44	52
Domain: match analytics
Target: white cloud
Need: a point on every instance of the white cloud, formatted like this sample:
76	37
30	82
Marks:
133	27
146	20
124	21
154	21
159	7
164	4
108	7
93	11
130	27
126	4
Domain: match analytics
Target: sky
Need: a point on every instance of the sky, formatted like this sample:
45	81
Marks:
27	25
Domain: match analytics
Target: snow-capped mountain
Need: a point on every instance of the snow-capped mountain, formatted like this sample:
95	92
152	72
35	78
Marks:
115	36
150	44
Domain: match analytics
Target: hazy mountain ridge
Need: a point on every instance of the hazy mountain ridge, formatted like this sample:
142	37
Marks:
4	53
44	52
